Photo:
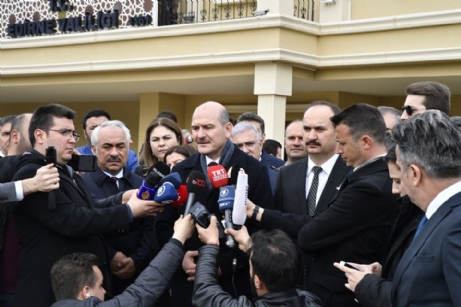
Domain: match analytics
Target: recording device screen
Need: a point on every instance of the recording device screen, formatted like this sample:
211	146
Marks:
83	163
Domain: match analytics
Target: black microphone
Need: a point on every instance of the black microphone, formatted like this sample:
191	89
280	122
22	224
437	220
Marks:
149	185
160	168
50	157
196	182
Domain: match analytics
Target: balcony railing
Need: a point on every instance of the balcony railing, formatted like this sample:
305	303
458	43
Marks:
198	11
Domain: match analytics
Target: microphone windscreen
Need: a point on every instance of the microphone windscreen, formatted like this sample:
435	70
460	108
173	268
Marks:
182	196
166	194
160	168
234	174
173	178
226	197
218	176
241	195
152	180
196	182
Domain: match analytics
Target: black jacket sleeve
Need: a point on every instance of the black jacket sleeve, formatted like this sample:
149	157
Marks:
207	292
374	291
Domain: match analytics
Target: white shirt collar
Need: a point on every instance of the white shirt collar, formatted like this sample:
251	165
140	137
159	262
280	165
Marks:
119	175
208	160
441	198
370	161
327	167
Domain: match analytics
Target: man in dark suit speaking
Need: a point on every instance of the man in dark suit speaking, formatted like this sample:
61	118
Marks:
429	155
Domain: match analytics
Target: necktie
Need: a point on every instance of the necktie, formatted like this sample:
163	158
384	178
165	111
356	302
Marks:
114	181
312	196
420	226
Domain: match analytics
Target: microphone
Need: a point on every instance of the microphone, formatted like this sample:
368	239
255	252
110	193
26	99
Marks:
147	189
166	194
195	184
173	178
182	196
226	203
160	168
50	157
218	176
240	201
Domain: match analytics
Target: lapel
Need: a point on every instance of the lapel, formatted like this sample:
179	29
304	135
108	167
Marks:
76	182
300	189
338	174
419	241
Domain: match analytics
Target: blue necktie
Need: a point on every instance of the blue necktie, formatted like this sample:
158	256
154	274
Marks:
420	226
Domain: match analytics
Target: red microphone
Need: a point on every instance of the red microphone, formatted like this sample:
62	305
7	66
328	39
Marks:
182	196
218	176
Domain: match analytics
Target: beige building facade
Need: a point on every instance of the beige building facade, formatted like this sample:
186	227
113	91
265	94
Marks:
353	51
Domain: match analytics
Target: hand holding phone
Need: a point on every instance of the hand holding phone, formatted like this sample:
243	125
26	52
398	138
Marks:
347	265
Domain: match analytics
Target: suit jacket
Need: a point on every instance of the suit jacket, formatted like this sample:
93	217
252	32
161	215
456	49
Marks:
7	188
45	235
429	273
138	243
267	159
290	192
354	227
258	182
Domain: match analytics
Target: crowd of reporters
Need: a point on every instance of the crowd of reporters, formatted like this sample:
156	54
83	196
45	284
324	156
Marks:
214	217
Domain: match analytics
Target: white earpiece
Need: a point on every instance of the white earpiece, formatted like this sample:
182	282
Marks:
87	295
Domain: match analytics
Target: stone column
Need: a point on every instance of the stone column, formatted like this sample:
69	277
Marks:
273	83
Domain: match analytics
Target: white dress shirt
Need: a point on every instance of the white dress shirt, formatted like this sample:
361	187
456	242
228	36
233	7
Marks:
441	198
327	168
119	175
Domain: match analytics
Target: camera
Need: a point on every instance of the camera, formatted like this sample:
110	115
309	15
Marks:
202	217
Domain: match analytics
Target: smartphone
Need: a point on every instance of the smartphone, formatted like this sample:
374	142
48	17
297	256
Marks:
50	155
347	265
83	163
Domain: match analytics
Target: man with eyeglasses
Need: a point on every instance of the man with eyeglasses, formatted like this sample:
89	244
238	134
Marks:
248	139
426	95
71	222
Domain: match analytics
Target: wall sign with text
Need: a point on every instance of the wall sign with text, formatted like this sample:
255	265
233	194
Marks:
28	18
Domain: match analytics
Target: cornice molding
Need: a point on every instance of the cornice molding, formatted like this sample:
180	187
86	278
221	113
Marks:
296	58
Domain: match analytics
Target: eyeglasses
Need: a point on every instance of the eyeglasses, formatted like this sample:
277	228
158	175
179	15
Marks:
247	144
410	110
67	133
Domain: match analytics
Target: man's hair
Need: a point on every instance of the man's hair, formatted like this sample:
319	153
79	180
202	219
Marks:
390	110
336	110
362	119
275	259
437	95
71	273
251	116
456	120
18	124
243	127
167	114
391	155
293	122
431	141
271	146
43	118
94	113
224	117
7	119
110	123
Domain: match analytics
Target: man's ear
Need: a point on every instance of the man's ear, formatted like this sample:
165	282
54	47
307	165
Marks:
14	139
93	149
40	136
228	127
416	174
365	142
